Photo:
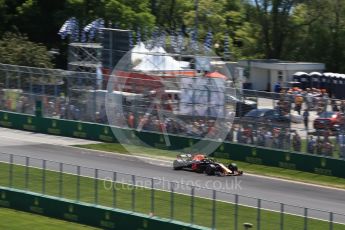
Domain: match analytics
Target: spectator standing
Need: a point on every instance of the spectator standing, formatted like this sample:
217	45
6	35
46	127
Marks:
277	87
342	106
306	118
261	137
327	148
296	142
298	103
319	147
334	106
268	139
341	141
311	145
131	120
239	135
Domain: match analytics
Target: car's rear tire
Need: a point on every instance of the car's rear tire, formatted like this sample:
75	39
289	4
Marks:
210	170
177	165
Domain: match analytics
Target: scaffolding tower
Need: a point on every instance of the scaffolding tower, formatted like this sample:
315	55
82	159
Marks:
84	57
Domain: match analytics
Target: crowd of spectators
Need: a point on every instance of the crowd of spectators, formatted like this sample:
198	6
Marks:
265	135
20	104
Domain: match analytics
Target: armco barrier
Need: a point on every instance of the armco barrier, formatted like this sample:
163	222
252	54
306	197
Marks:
238	152
87	214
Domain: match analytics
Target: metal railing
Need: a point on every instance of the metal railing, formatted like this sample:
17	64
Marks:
191	202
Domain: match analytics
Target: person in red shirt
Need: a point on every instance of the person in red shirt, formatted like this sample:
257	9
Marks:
131	120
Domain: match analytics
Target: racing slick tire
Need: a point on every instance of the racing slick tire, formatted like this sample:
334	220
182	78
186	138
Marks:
210	170
177	165
233	167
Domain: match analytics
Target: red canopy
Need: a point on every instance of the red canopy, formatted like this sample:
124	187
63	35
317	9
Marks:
216	75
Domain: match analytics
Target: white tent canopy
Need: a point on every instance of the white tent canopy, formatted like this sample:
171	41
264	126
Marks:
155	59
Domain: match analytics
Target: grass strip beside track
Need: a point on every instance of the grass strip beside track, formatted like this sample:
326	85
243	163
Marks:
225	212
288	174
16	220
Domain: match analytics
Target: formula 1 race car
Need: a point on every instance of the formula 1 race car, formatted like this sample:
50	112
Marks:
201	164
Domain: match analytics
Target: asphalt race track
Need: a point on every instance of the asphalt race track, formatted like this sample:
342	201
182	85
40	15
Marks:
301	195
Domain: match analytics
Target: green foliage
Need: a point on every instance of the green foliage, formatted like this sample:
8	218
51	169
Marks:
16	49
301	30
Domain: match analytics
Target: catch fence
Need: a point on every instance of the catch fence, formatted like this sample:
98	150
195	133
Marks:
84	96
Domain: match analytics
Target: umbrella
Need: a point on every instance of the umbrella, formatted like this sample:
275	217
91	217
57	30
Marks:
216	75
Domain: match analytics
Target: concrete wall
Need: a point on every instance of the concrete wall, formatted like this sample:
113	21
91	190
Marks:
259	78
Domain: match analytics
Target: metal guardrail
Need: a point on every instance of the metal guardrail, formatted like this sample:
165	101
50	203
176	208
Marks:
187	201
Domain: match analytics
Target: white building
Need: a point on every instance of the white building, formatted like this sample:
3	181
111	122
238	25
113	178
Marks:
263	74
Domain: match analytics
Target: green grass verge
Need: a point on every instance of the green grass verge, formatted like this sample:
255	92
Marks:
288	174
15	220
121	196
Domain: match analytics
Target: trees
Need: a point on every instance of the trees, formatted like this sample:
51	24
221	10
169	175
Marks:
306	30
16	49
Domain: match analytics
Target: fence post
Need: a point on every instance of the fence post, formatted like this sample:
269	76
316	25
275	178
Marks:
60	179
192	194
133	193
172	200
331	221
259	214
96	186
44	162
214	198
305	218
10	173
281	216
236	212
152	196
78	183
26	173
114	189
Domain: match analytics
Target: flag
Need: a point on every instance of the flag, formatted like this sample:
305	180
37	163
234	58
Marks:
194	40
75	30
130	39
208	41
162	38
173	42
180	41
70	27
226	45
138	36
92	28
